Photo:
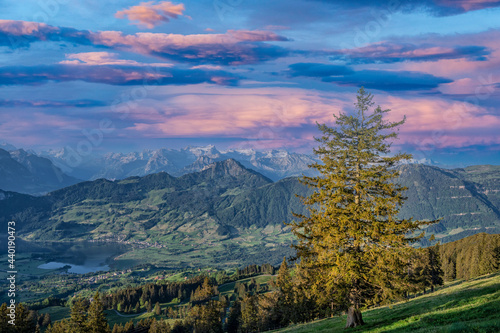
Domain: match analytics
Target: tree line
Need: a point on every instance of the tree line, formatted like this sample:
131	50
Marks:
132	299
252	307
470	257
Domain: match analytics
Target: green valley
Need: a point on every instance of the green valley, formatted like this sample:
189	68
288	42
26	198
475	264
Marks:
227	215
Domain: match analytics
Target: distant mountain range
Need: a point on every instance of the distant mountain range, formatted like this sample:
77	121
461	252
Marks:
275	164
68	166
7	146
232	206
23	172
199	203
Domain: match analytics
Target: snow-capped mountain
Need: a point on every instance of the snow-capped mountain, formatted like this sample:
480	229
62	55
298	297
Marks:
7	146
425	161
24	172
274	164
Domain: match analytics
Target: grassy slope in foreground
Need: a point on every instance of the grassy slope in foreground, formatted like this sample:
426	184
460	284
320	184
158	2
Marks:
471	306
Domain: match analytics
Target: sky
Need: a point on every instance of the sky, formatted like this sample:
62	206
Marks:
102	76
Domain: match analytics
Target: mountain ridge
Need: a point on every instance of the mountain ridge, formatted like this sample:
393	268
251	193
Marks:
432	193
274	164
24	172
234	207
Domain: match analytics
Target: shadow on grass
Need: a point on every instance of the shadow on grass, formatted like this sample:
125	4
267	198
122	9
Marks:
479	318
463	306
437	310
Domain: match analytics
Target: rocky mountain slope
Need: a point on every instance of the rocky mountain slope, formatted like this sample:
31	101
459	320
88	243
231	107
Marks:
24	172
274	164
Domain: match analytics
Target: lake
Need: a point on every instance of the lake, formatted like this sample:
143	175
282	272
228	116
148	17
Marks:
83	257
78	269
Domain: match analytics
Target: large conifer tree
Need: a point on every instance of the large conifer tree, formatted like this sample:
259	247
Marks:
96	319
352	241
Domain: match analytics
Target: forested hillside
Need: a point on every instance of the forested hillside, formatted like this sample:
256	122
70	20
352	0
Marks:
470	257
467	200
236	209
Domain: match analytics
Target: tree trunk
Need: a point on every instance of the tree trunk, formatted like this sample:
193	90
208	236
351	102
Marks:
354	317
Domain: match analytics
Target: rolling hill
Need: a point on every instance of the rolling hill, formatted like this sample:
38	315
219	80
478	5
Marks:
227	212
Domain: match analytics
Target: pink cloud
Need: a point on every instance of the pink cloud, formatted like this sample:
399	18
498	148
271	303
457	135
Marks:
463	86
415	51
231	48
15	34
278	117
112	75
459	66
18	28
442	123
251	113
207	67
255	36
234	47
459	69
468	75
39	128
468	5
104	58
149	14
159	41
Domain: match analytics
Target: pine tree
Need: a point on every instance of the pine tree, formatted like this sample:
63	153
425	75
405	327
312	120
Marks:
129	326
157	309
207	318
285	302
434	269
62	326
159	326
78	317
496	258
305	301
25	320
450	269
234	318
46	320
352	238
96	320
249	314
137	308
4	326
179	294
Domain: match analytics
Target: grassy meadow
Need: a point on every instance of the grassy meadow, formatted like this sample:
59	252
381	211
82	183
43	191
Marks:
463	306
